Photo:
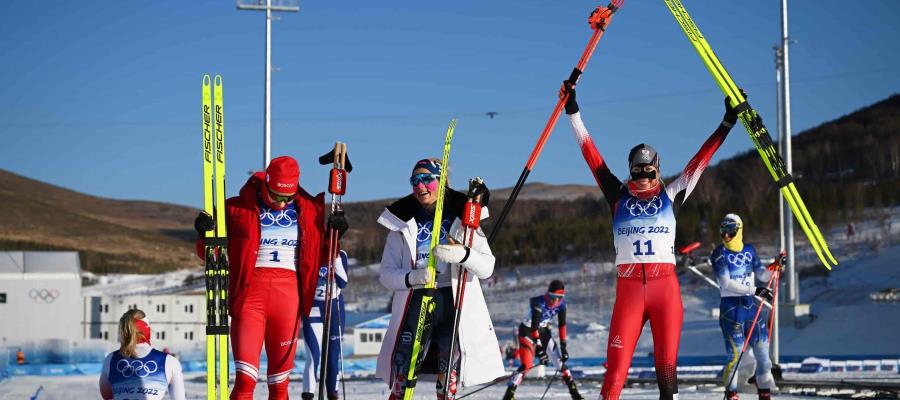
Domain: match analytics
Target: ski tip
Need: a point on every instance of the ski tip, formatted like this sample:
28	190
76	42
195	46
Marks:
218	80
206	80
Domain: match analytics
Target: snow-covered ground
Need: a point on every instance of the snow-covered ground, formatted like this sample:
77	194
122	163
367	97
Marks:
85	387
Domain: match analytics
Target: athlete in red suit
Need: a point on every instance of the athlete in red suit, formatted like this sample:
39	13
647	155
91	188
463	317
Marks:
644	238
275	247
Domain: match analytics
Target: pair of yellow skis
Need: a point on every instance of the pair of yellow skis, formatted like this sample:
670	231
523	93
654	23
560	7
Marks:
215	241
757	131
426	311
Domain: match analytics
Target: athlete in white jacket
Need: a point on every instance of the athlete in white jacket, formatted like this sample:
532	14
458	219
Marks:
403	268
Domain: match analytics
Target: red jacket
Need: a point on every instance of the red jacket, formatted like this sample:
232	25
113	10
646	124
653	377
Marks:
242	219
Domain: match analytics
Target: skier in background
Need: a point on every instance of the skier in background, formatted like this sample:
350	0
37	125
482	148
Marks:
312	332
738	271
644	237
275	247
535	338
137	369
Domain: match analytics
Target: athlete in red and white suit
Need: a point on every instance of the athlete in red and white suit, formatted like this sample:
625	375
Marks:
644	237
268	291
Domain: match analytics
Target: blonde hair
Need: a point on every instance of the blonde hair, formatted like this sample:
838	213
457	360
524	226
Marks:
129	335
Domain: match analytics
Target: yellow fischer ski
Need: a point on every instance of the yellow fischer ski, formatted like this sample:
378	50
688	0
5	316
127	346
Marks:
215	241
426	312
758	133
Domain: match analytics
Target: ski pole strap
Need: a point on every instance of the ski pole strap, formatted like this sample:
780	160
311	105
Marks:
784	181
573	77
743	106
216	330
215	241
466	257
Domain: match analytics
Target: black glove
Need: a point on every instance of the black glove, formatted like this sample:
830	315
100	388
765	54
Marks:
781	260
204	222
731	115
540	353
328	158
478	187
563	353
568	89
765	293
338	222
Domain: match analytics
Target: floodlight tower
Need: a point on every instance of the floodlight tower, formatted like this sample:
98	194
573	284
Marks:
268	6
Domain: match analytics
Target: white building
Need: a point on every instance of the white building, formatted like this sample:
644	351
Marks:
40	296
178	321
368	335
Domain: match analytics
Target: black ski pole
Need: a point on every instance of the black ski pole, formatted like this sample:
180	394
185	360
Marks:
496	381
553	379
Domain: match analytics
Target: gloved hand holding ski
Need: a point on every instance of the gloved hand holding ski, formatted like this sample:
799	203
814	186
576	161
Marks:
731	115
451	253
204	223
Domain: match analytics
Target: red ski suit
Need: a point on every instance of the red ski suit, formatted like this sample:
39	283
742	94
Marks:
265	303
647	287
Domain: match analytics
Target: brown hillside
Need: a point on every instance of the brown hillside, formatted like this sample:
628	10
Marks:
113	235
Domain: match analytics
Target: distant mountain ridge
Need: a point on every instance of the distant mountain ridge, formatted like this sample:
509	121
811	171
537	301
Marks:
841	166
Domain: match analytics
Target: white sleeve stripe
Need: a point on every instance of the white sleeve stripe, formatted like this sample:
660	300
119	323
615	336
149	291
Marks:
581	132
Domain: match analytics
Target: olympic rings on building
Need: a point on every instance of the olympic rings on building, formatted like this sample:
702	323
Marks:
43	295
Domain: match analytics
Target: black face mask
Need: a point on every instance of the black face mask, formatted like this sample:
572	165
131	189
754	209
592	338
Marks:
643	174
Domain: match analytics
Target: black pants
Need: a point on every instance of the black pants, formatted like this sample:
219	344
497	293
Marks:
438	330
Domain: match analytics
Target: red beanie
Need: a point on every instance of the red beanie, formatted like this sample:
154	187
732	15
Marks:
283	175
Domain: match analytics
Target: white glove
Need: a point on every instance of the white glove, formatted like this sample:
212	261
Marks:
451	253
418	278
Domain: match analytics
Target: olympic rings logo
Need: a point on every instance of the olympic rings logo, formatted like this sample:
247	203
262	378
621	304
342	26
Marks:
637	207
136	367
45	295
740	259
425	231
283	218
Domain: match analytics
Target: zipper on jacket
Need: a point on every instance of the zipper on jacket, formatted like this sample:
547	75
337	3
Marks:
644	273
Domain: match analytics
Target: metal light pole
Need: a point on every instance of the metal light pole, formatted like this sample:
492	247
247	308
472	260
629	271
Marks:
268	7
788	218
781	238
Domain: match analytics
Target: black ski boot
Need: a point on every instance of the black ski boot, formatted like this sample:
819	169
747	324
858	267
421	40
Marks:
510	393
307	396
573	389
765	394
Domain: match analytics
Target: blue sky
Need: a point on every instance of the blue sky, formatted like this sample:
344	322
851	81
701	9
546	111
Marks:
103	97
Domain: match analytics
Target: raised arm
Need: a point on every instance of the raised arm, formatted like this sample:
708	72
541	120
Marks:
609	184
694	168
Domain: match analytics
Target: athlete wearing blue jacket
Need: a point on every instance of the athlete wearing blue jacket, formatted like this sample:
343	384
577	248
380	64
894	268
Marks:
738	269
312	331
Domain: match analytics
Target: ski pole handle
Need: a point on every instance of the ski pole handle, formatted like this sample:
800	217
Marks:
337	181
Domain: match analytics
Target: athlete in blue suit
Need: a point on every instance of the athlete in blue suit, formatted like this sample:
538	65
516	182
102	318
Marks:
312	332
738	269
